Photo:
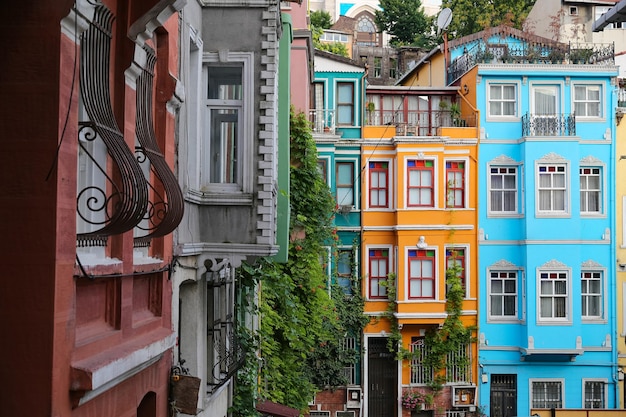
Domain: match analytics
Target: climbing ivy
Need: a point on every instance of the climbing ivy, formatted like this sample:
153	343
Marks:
302	320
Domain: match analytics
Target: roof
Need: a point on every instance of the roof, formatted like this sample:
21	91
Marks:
615	14
339	63
271	408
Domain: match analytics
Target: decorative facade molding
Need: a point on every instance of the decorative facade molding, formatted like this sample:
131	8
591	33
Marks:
554	264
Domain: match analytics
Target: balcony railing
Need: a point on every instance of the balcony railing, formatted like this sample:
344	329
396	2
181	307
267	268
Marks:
548	125
322	120
417	122
532	53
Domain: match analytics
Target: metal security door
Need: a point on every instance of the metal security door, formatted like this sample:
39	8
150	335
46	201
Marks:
503	395
381	379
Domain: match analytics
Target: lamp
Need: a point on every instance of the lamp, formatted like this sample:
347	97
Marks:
465	89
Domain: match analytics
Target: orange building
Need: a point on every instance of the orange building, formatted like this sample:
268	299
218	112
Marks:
419	197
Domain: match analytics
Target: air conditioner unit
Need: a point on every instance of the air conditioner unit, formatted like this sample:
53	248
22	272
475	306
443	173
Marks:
319	413
353	397
344	414
464	396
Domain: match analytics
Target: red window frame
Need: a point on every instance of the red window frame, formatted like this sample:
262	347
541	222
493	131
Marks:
420	166
456	255
422	255
455	184
376	255
375	170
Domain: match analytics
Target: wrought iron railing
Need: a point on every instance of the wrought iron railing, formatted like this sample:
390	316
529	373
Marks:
533	53
418	122
548	125
322	120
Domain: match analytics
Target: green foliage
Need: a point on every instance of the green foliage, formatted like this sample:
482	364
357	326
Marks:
469	16
320	19
337	48
453	334
302	321
403	19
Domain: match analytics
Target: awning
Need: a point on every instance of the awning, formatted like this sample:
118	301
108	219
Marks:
550	355
270	408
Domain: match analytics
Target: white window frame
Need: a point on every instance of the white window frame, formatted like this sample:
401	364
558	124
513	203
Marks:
390	264
558	161
600	101
436	275
435	182
506	163
239	192
548	268
531	392
503	117
604	393
594	163
466	182
591	266
354	103
507	267
390	181
355	181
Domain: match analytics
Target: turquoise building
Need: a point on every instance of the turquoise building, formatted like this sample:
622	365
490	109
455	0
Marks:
546	220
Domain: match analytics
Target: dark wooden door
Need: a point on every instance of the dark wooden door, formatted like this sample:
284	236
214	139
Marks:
381	379
503	395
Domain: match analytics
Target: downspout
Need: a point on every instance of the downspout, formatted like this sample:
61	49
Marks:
613	264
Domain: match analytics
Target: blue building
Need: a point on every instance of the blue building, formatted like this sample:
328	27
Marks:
546	219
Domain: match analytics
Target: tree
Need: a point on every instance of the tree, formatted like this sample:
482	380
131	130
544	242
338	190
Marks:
321	19
471	16
403	19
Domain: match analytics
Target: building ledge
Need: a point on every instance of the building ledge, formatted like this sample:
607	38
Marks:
98	373
550	355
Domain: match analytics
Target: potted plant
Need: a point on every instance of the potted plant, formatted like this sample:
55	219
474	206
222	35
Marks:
413	400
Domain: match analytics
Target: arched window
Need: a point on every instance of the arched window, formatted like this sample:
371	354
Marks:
367	33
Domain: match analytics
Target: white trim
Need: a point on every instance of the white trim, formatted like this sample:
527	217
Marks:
601	101
590	266
554	266
436	273
506	162
605	393
530	388
390	183
554	159
466	182
390	263
518	101
435	179
591	162
506	266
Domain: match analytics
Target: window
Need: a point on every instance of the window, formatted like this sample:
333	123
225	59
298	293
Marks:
591	284
422	274
594	393
378	66
503	189
458	365
590	190
587	100
455	184
546	394
553	295
551	189
420	183
345	103
223	111
502	100
503	294
393	67
379	177
345	183
455	257
420	373
378	270
344	270
322	169
573	11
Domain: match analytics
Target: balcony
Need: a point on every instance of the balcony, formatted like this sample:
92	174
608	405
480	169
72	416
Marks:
548	125
532	53
322	121
418	122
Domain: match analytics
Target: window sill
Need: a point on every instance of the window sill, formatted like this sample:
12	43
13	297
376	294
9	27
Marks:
218	199
104	370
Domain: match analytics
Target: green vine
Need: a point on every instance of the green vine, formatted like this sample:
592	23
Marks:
298	348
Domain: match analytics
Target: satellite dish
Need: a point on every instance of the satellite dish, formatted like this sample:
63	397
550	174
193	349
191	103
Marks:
444	19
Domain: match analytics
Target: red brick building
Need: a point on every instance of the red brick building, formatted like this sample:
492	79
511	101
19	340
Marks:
89	202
